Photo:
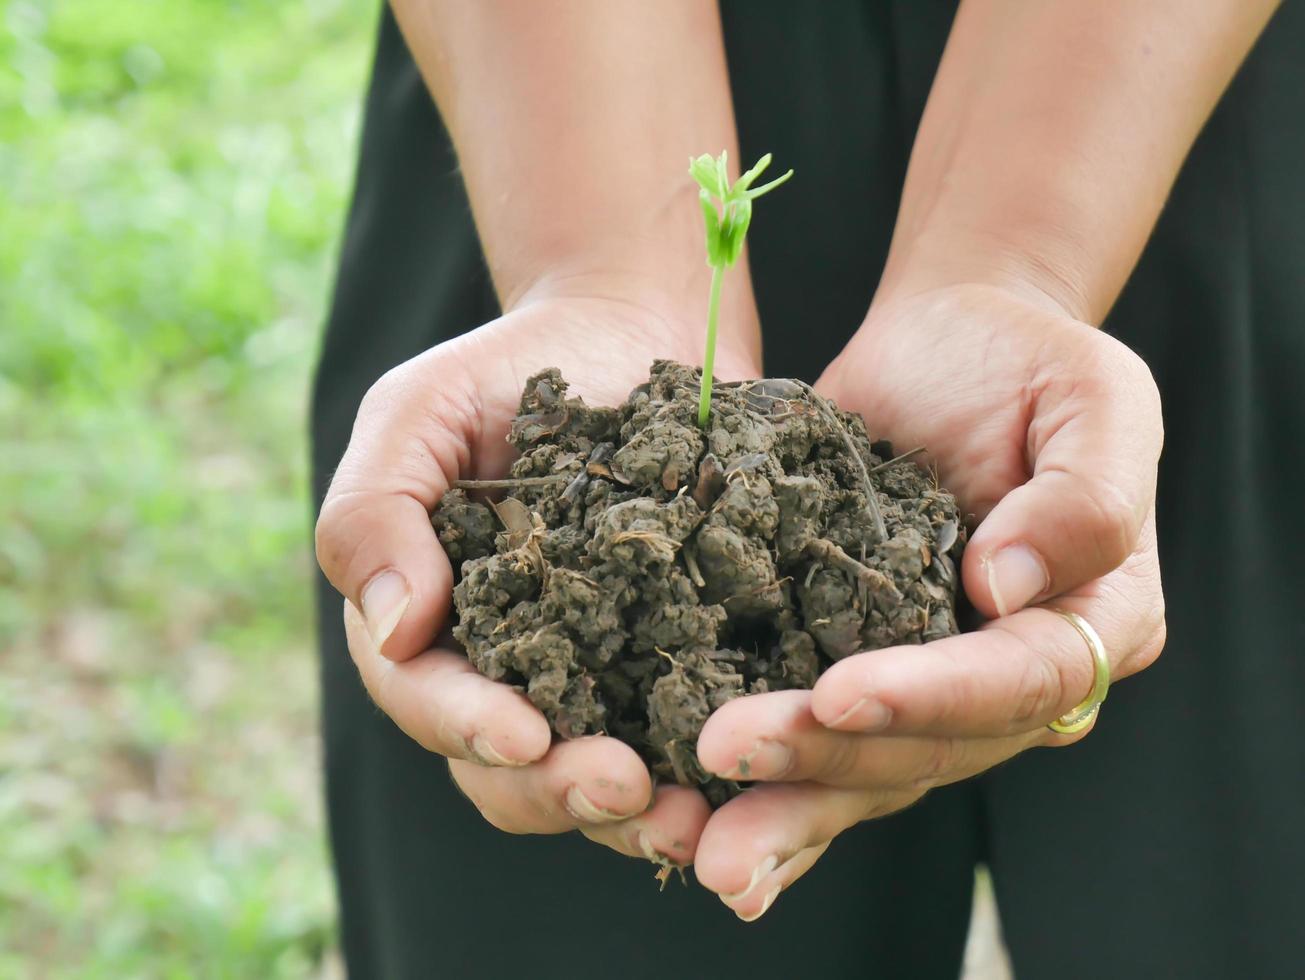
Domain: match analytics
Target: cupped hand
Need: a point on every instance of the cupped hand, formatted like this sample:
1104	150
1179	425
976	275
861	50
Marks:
1049	433
444	416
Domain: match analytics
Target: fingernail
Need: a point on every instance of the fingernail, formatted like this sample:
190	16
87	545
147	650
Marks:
485	752
759	872
644	843
585	810
384	601
765	905
866	715
645	846
767	760
1016	576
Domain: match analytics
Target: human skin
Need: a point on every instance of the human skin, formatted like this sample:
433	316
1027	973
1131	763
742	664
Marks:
574	123
443	416
1052	135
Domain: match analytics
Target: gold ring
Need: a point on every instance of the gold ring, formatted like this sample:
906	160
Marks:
1080	717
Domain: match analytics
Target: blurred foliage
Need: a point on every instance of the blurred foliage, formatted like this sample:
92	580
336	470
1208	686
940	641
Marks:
173	175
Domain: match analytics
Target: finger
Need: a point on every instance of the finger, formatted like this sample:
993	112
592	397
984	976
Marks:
439	700
1094	441
756	902
1015	675
414	434
587	781
751	837
666	834
775	737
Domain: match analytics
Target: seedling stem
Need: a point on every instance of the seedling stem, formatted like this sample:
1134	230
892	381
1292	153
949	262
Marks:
709	359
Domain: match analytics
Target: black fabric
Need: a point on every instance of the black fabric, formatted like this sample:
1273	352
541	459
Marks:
1191	790
1164	844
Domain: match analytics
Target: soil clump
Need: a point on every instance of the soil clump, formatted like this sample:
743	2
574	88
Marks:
640	572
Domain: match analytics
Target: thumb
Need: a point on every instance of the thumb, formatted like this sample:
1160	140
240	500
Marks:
413	435
1094	440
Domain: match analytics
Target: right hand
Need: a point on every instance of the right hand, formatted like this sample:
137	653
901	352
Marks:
444	416
1049	432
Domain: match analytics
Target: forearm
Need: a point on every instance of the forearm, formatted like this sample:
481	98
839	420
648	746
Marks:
574	122
1052	136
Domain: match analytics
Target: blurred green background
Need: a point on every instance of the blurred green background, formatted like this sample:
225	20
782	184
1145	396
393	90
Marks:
173	179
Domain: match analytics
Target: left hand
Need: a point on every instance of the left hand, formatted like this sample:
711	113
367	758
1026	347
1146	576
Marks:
1049	433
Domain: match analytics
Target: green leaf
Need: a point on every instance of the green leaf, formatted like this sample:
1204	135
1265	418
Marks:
703	170
767	188
726	210
712	221
758	168
738	231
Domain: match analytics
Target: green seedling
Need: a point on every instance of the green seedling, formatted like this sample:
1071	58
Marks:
728	212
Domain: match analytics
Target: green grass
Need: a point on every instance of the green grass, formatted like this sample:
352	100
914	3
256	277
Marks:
173	175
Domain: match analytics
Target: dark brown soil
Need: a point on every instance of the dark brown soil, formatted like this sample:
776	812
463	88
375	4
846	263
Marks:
639	572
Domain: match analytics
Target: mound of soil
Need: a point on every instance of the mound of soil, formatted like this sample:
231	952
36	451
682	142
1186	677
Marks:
640	572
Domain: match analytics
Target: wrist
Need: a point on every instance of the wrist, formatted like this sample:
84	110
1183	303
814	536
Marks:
668	297
1042	269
